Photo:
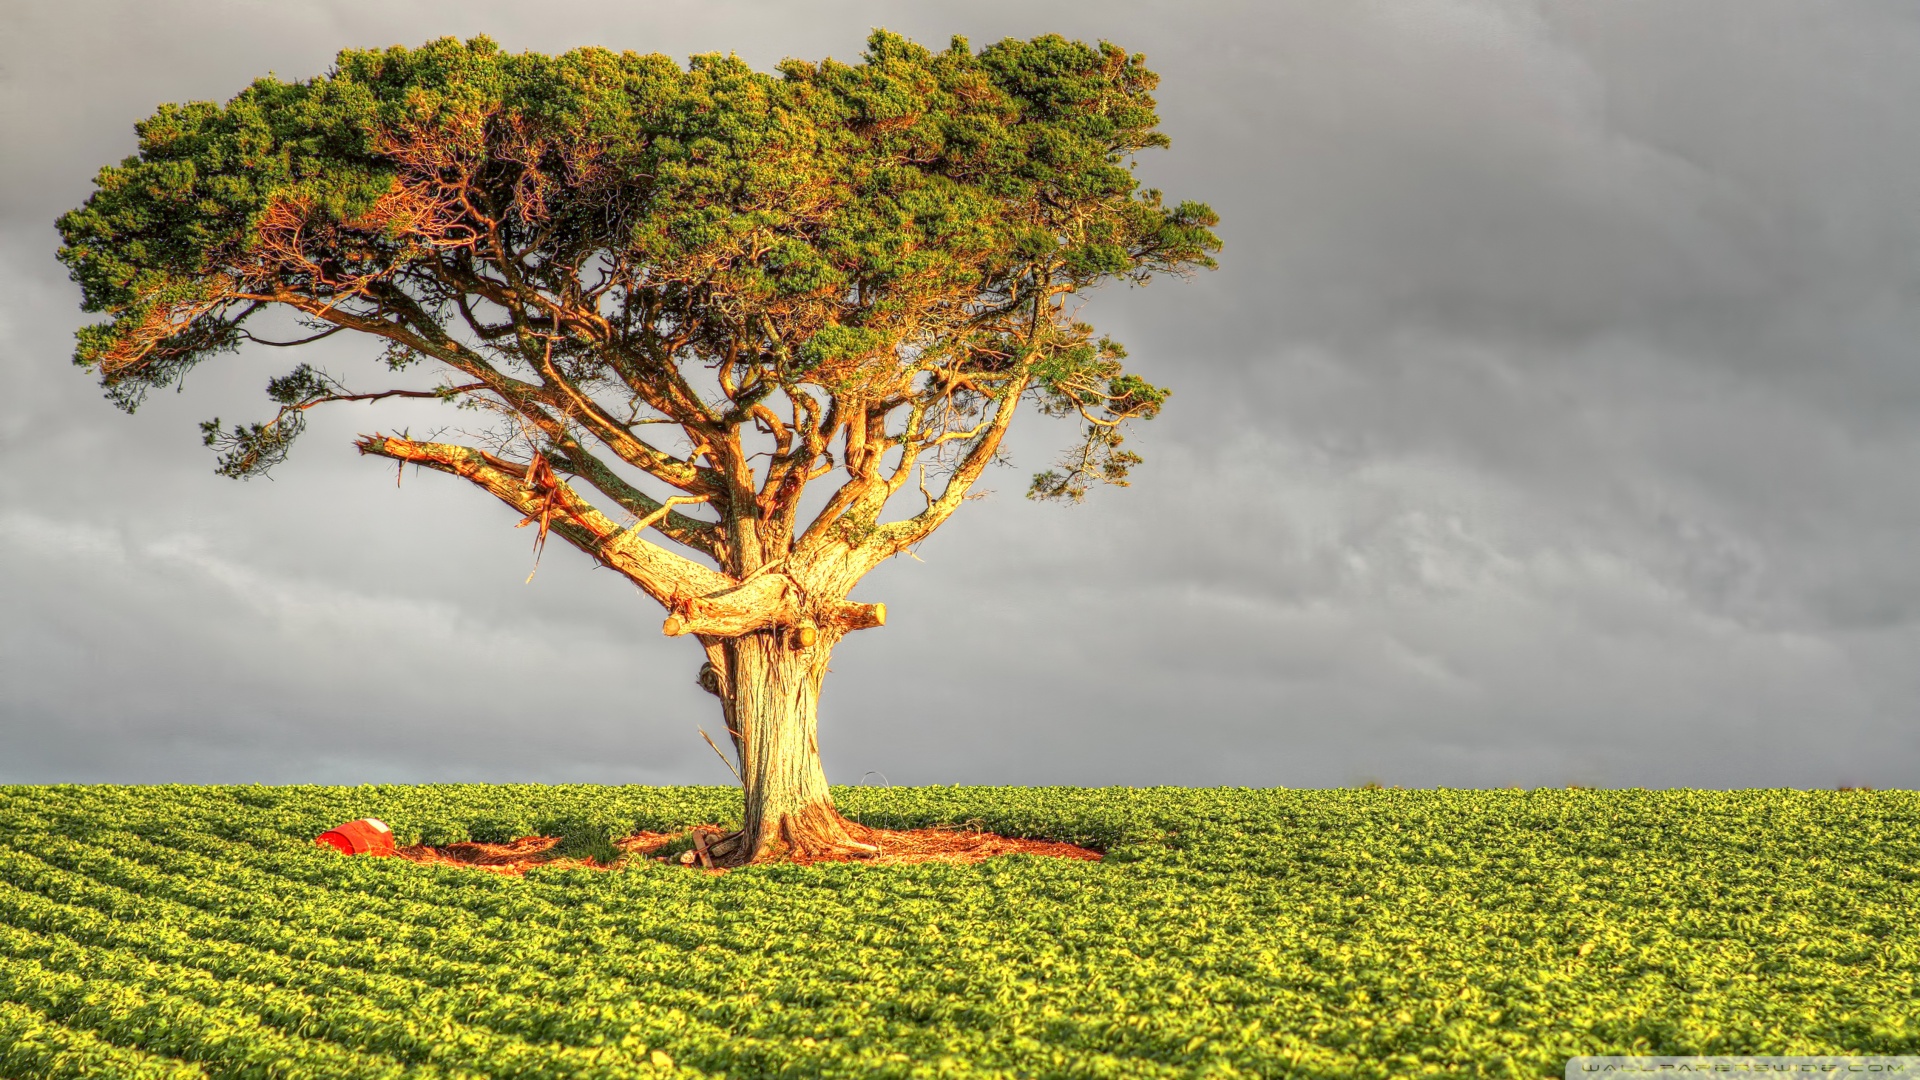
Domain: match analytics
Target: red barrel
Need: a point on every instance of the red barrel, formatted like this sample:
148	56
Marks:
367	836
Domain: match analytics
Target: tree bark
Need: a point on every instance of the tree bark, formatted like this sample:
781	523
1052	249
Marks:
771	696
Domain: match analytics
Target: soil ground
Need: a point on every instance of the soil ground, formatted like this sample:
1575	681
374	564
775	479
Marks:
897	847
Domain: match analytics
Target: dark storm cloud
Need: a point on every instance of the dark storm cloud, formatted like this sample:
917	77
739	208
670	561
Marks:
1550	419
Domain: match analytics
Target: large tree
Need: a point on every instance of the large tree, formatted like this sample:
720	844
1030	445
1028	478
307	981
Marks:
678	297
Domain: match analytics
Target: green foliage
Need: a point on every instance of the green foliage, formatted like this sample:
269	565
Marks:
844	225
253	449
248	450
182	931
586	836
1087	379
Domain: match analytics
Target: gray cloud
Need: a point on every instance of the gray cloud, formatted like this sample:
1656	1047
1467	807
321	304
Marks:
1549	420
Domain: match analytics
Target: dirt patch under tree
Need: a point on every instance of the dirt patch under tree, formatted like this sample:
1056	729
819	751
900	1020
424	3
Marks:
706	847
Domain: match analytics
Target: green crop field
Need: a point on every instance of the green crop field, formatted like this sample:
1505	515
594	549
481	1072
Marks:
196	931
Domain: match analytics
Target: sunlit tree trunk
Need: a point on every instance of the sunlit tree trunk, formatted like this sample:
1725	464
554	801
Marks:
771	699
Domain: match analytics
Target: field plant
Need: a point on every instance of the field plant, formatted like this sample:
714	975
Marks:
197	931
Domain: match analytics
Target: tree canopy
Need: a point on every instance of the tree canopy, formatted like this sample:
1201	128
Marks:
568	231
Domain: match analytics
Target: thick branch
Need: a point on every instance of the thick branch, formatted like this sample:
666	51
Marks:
893	538
701	601
702	536
660	573
416	330
767	601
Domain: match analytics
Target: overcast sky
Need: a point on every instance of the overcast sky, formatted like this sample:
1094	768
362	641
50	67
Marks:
1554	416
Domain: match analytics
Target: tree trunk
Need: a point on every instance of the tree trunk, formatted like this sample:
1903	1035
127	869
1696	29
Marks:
772	698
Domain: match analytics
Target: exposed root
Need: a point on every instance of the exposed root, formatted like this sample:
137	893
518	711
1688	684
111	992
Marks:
813	834
717	850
